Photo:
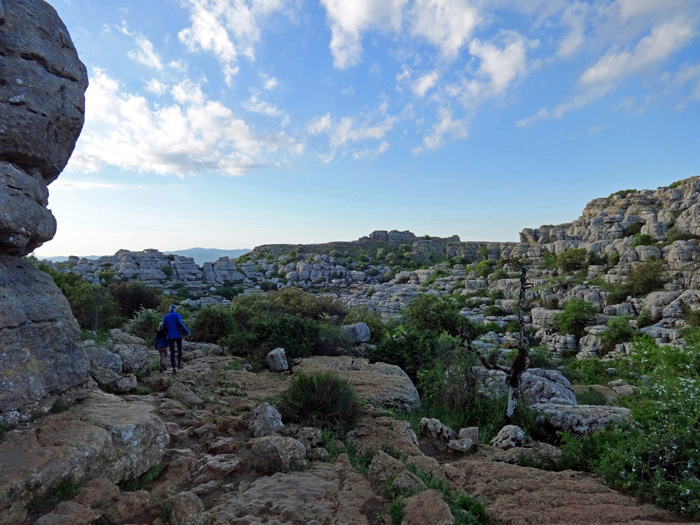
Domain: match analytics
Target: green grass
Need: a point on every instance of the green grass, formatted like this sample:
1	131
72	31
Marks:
65	491
138	483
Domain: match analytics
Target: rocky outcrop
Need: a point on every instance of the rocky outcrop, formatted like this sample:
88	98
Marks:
103	437
41	115
536	384
380	383
579	420
325	493
41	357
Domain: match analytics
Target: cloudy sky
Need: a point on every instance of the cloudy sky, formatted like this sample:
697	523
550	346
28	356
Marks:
234	123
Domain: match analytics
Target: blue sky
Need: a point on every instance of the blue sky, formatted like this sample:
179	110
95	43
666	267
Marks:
235	123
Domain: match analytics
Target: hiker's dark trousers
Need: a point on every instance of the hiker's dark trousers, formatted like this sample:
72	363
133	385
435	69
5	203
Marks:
171	343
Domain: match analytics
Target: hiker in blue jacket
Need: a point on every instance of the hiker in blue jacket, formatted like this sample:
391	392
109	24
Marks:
173	324
160	342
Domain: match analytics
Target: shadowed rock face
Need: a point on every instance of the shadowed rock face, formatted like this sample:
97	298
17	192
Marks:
42	103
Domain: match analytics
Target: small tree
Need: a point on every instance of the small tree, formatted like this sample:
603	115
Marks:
522	359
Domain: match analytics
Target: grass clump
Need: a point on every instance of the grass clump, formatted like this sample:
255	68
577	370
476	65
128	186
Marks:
64	491
321	398
138	483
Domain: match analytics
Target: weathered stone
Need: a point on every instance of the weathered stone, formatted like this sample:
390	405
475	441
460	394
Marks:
536	384
134	357
277	360
184	395
508	437
45	89
380	383
372	433
324	493
581	419
427	507
461	445
357	333
276	453
104	437
104	358
266	420
125	384
69	513
39	338
434	428
188	509
469	433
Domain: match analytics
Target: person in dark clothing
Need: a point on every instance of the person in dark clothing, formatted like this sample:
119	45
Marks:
172	322
160	342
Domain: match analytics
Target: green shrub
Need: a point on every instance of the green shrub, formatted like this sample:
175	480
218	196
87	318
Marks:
572	259
130	297
499	274
642	239
666	360
646	277
167	270
591	397
622	193
144	324
493	310
484	268
591	371
412	350
212	324
372	318
632	229
322	399
66	490
674	234
432	313
307	305
577	314
619	331
138	483
655	459
92	305
549	260
541	357
613	259
645	318
597	259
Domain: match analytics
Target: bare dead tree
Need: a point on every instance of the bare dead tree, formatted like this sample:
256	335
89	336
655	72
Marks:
522	359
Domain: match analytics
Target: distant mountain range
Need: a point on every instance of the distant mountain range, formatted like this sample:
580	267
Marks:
200	255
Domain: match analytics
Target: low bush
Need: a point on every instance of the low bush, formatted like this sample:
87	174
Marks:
573	259
144	324
321	399
577	314
212	324
619	331
642	239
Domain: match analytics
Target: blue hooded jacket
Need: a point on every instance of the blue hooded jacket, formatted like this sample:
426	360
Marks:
173	324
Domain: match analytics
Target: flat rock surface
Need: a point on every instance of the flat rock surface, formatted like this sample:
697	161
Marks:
381	383
104	436
526	496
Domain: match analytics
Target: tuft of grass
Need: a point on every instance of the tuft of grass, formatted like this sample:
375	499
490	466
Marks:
65	491
138	483
321	398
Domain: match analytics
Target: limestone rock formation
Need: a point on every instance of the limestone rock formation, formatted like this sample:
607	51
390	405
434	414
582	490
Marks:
104	436
380	383
579	420
42	89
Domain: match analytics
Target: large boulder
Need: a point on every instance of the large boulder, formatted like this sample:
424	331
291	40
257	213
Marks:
103	437
40	356
380	383
536	384
356	333
325	493
579	420
42	89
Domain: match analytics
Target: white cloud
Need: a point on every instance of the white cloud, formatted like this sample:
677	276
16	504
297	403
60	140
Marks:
371	126
371	153
156	86
350	19
269	83
189	136
575	18
421	86
63	185
226	28
447	24
145	53
689	75
541	114
631	8
614	67
446	128
255	105
501	65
